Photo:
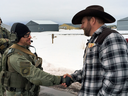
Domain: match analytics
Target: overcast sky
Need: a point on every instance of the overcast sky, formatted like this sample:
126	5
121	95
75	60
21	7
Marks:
59	11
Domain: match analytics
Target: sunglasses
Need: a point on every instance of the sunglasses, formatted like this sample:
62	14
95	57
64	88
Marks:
27	35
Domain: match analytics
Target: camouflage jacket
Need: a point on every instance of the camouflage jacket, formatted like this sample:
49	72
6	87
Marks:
4	39
22	69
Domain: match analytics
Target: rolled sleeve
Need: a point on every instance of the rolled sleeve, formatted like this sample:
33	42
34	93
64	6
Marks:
77	76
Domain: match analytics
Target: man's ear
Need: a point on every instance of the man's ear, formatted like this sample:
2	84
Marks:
93	21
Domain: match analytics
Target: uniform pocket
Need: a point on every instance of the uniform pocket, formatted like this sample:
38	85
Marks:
25	68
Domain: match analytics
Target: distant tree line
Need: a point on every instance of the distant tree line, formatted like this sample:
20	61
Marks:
112	26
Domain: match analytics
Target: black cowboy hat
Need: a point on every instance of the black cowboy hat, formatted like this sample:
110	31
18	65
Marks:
94	10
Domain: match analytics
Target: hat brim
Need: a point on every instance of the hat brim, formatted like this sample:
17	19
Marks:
107	18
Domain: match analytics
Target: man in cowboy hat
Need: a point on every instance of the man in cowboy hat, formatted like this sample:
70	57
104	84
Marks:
105	64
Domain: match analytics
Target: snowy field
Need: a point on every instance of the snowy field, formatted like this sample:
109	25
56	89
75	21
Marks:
65	54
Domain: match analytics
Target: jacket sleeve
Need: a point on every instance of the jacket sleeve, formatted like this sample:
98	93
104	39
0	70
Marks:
77	76
30	72
114	60
3	40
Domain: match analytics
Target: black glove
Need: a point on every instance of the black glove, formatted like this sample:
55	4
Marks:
66	80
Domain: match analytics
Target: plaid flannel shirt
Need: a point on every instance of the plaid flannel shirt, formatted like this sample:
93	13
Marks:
105	67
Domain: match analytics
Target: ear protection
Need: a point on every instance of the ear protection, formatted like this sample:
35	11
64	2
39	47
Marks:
13	28
13	33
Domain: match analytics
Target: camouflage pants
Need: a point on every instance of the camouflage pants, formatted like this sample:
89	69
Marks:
2	90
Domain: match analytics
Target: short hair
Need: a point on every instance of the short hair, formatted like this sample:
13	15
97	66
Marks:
100	20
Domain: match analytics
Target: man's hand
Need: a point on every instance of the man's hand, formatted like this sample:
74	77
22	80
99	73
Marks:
67	75
68	80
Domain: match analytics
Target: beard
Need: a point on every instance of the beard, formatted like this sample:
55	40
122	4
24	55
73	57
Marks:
26	42
87	30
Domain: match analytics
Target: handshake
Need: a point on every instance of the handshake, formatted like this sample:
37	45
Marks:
66	80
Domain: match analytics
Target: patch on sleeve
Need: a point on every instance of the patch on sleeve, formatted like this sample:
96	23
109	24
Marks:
25	68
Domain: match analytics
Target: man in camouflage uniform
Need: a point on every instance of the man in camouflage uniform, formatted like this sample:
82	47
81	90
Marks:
4	39
21	70
4	43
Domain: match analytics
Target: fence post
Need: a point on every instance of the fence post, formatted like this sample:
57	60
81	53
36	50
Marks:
52	38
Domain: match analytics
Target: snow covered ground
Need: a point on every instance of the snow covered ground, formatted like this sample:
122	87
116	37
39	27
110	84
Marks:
65	54
62	56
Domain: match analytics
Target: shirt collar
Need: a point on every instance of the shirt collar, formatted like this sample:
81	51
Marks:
96	33
26	47
99	30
